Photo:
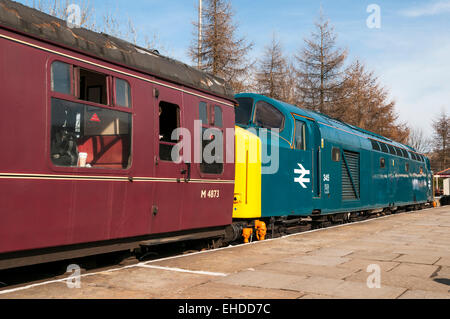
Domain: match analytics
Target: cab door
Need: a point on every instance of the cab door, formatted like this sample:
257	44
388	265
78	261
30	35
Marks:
302	152
315	140
169	175
312	144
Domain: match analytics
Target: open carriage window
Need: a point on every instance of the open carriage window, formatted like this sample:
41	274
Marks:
92	86
87	136
169	120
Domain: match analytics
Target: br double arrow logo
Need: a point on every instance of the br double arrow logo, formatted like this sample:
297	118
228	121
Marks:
302	179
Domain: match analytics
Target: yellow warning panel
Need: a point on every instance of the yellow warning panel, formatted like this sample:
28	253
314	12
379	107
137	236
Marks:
247	187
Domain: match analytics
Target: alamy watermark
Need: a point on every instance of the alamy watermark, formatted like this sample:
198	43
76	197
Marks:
374	19
74	279
374	280
73	16
210	144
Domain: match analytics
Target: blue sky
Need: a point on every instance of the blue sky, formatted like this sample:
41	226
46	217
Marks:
410	53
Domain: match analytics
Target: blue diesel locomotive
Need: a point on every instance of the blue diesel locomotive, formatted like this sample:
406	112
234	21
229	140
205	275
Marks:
328	171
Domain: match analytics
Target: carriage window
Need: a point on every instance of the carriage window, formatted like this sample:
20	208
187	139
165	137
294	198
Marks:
123	93
336	154
87	136
169	120
61	77
268	116
244	110
203	113
92	86
382	162
300	135
211	140
217	116
212	151
407	167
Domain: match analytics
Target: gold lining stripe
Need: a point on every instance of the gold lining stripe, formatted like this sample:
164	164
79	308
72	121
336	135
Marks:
111	69
108	178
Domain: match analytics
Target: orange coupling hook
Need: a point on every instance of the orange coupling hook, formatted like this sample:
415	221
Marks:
261	229
247	233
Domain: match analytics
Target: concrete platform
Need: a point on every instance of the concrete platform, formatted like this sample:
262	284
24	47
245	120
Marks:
410	250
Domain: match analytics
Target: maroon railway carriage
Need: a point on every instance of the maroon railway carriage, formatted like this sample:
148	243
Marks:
66	92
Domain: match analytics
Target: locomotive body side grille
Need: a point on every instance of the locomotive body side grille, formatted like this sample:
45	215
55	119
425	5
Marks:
350	176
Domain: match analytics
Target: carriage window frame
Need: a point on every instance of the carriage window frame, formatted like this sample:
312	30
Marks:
73	97
130	94
52	77
108	86
160	137
210	124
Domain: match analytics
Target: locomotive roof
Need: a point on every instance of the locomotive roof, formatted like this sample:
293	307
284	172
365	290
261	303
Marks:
26	20
319	117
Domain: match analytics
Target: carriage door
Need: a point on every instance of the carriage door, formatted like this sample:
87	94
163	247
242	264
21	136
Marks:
169	175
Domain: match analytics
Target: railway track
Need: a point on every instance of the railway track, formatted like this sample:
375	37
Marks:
17	277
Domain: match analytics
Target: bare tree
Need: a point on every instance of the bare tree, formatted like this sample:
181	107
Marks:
289	90
363	102
271	71
441	140
319	68
59	9
419	141
221	53
113	24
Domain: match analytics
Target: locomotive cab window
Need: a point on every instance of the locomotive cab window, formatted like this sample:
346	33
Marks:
169	120
299	141
267	116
